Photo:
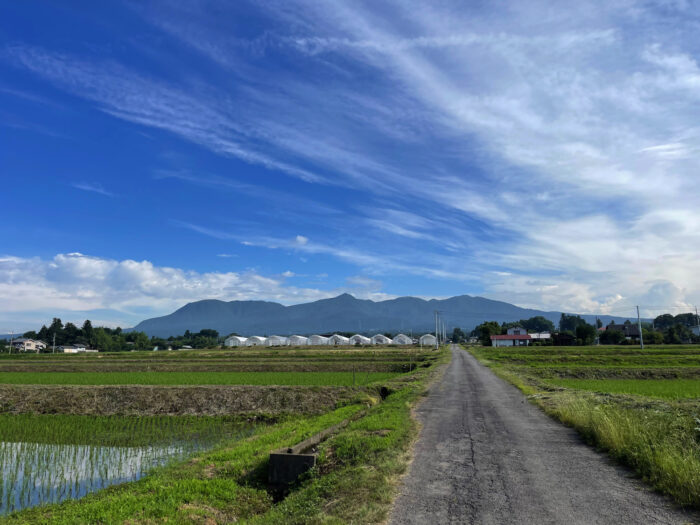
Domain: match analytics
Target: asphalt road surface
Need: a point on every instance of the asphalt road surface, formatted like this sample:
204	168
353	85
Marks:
486	455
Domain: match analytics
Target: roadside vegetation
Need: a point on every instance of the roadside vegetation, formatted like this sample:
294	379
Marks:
354	480
640	406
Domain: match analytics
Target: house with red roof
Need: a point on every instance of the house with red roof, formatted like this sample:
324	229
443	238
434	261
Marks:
516	336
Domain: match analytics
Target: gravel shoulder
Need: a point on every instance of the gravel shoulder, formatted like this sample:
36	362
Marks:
485	455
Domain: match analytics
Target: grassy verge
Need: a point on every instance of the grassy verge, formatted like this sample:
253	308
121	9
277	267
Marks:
354	481
659	439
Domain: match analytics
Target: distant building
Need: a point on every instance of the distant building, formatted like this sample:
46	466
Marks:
402	339
358	339
28	345
516	330
256	340
277	340
316	340
235	340
298	340
76	349
427	340
510	340
380	339
630	330
543	336
337	339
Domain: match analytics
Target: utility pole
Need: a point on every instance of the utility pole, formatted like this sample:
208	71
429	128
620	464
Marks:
639	324
697	320
12	336
437	336
54	343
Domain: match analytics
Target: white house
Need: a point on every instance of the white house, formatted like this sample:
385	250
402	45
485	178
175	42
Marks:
256	340
298	340
402	339
77	349
516	330
427	340
543	336
277	340
28	345
316	340
380	339
235	340
510	340
337	339
358	339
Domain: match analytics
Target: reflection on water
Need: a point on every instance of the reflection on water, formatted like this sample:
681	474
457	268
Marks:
37	473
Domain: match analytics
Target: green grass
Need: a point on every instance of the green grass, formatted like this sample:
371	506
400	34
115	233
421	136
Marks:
663	388
193	378
354	482
120	431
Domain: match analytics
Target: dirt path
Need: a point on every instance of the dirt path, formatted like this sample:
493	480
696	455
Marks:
487	456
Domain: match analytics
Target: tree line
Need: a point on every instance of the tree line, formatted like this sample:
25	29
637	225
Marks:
573	329
115	339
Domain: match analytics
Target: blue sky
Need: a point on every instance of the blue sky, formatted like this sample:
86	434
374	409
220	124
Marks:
155	153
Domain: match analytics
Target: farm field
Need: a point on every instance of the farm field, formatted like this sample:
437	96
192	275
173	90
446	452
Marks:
663	388
193	378
641	406
190	466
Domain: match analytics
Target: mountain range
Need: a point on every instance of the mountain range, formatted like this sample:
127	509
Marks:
344	313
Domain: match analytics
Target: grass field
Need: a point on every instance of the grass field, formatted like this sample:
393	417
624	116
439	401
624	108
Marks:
663	388
193	378
354	481
357	469
641	406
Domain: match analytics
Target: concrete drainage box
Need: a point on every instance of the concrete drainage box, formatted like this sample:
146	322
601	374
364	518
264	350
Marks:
286	466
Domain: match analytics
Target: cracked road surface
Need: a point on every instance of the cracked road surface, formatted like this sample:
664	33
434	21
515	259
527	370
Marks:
486	455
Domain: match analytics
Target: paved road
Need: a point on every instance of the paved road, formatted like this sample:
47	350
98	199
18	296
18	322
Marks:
485	455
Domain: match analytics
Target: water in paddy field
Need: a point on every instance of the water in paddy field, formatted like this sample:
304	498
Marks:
39	473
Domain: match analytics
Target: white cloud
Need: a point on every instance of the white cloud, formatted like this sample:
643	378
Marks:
93	187
33	290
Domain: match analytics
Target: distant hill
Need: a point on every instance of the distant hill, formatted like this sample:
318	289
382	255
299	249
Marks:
343	313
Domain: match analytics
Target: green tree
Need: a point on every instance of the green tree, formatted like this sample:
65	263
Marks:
612	337
598	323
485	330
586	333
141	341
30	335
458	335
89	333
652	337
568	323
537	324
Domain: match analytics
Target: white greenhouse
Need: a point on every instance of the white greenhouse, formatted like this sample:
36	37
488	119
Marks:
402	339
318	340
358	339
427	340
235	340
380	339
277	340
256	340
337	339
298	340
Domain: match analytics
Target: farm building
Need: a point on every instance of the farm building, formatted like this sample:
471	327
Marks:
402	339
427	340
380	339
318	340
358	339
298	340
256	340
337	339
510	340
277	340
235	340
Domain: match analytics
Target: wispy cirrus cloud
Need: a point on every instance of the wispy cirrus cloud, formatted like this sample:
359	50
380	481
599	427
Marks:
93	187
543	160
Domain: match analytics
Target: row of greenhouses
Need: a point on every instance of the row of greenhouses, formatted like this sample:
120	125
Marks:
334	340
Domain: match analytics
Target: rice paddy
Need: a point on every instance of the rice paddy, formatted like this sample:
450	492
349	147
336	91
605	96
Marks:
193	378
47	456
662	388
